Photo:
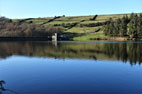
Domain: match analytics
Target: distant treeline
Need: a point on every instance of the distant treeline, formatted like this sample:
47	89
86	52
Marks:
126	26
22	29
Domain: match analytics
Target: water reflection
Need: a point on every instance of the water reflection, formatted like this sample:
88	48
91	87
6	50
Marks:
2	87
131	52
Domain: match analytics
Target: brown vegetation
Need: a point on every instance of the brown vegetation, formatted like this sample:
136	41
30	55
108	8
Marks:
18	29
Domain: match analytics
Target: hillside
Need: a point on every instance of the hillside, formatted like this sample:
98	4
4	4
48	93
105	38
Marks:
82	27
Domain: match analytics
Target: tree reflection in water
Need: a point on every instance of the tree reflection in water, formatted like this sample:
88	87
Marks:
126	52
2	87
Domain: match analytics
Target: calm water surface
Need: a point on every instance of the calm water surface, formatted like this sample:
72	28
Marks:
71	67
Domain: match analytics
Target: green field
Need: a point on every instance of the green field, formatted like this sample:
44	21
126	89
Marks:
81	24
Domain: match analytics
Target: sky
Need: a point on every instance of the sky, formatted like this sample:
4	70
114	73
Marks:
48	8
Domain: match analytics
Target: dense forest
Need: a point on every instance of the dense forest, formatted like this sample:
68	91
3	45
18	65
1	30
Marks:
8	28
127	26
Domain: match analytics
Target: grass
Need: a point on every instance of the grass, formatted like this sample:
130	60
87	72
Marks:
89	22
39	20
60	22
15	20
74	18
107	17
83	29
87	37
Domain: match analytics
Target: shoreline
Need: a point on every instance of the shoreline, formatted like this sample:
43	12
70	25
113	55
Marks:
118	39
49	39
25	39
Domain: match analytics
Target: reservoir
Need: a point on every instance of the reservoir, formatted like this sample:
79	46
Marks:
100	67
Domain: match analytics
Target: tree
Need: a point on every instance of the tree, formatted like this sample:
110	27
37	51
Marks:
126	26
133	26
139	26
123	26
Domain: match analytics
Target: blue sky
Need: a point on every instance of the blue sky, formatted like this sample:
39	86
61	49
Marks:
47	8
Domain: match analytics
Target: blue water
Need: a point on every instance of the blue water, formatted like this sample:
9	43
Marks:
47	75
